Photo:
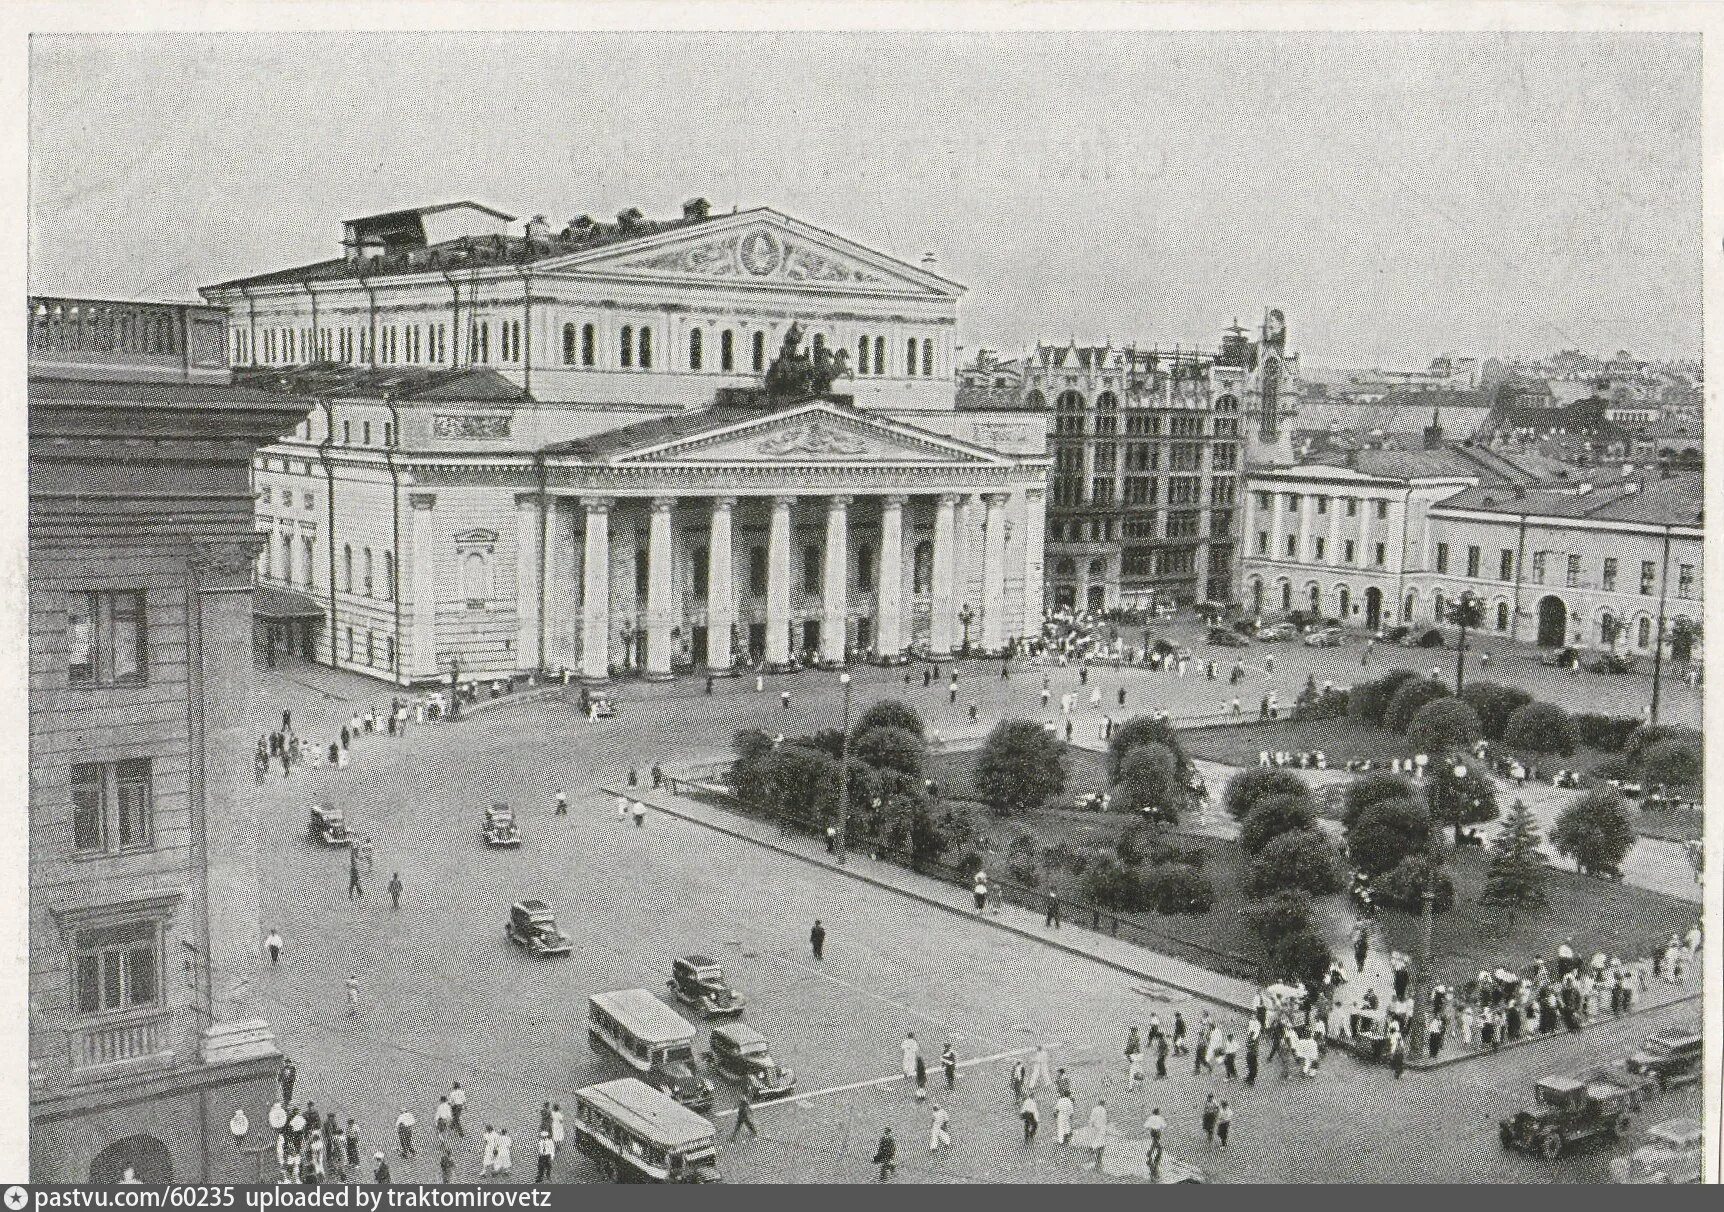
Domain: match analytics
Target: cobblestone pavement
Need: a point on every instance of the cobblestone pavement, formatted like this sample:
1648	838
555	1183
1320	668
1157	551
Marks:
443	998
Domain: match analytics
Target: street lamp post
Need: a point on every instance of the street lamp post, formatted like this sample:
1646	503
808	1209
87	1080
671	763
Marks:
1427	901
455	687
1658	643
844	772
966	616
1468	613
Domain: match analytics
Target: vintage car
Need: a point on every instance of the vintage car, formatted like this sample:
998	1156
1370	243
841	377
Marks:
1226	637
1393	635
1369	1031
1671	1058
1566	1110
603	707
499	828
1642	1087
1671	1154
740	1053
533	926
698	981
1323	637
329	826
1275	633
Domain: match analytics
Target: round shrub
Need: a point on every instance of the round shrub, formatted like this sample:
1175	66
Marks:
1109	885
888	713
1176	888
1259	782
1540	728
1495	703
1150	783
1595	831
1409	699
1646	736
1275	917
1140	730
1672	763
1302	956
1445	725
1387	832
1370	789
1272	816
1404	887
1020	767
1369	700
888	747
1304	861
1605	732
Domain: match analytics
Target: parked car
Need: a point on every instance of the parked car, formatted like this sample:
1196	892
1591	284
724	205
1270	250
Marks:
1671	1154
1560	658
603	707
1566	1110
740	1053
698	981
499	828
1226	637
1275	633
1393	635
532	926
329	826
1671	1058
1323	637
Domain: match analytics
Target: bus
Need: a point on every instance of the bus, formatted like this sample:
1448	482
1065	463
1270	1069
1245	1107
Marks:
634	1133
652	1039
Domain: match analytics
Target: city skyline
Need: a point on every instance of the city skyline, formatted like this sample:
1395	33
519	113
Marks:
1395	195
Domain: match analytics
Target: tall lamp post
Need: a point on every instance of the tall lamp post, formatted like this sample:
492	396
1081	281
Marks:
966	616
1468	612
455	687
844	772
1658	643
1427	899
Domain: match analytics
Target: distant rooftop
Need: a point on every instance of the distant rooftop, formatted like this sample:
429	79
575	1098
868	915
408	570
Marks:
135	342
1675	500
338	380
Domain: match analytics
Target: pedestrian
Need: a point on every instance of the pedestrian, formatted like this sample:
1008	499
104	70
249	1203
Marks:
949	1062
352	1135
352	994
1434	1035
457	1104
404	1132
445	1117
1020	1077
912	1054
744	1116
1098	1131
634	778
546	1152
1039	1068
937	1134
622	809
273	942
446	1165
557	1129
657	776
1230	1057
831	839
562	804
921	1079
817	940
488	1157
380	1172
709	685
974	708
1211	1113
638	811
1064	1109
1179	1048
1122	696
1053	918
1251	1046
1223	1122
505	1162
759	683
784	699
395	891
354	888
1398	1053
1031	1114
886	1155
981	890
1361	945
1161	1056
952	698
1155	1125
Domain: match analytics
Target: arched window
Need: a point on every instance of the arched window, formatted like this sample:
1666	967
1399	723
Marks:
1286	595
922	572
646	348
695	338
727	350
811	562
862	356
347	568
389	576
1607	628
910	356
879	355
1643	632
626	350
476	578
927	358
589	345
758	353
1502	616
1035	400
1407	613
368	570
309	550
568	345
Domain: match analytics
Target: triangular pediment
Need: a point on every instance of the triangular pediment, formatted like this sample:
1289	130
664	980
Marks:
758	247
817	432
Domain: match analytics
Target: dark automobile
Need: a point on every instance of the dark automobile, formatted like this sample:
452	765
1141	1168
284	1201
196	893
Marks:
1275	633
1393	635
740	1053
329	826
1565	1110
1672	1058
1226	637
1323	637
533	926
499	828
698	981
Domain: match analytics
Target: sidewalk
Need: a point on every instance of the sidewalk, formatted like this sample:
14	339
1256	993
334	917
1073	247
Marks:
1121	956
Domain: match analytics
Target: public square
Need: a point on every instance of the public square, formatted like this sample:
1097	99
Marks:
444	998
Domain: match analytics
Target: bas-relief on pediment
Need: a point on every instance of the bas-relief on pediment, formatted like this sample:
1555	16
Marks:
760	254
813	439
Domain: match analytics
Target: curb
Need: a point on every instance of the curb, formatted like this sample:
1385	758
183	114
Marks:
955	910
1528	1040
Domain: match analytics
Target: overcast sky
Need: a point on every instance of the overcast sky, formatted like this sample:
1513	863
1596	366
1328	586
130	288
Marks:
1398	196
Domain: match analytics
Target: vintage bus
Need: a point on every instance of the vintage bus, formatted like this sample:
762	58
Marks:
634	1133
651	1038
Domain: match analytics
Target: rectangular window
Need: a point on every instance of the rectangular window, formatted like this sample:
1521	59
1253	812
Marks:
1322	504
1352	507
1185	490
727	350
366	431
1573	571
1223	456
1648	573
1223	492
1685	580
117	968
927	357
1182	523
1348	551
1473	557
1263	500
1442	557
111	806
1292	547
1538	568
105	634
1317	553
1220	523
1505	565
1382	510
1262	542
1380	556
1609	578
757	355
1101	491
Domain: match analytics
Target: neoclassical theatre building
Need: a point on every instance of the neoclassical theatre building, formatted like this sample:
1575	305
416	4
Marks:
530	449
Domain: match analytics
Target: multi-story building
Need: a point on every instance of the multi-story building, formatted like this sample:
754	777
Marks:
547	451
1149	449
144	921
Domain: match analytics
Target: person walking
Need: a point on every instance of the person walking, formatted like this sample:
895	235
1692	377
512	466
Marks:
1064	1109
354	888
1053	918
352	995
1098	1131
1211	1114
273	942
886	1155
547	1151
352	1135
488	1155
1361	945
638	811
912	1055
1038	1068
457	1104
949	1063
1031	1114
1398	1054
380	1172
1223	1123
921	1079
404	1132
1160	1056
395	891
1230	1057
784	699
557	1129
981	890
1251	1047
817	940
445	1116
446	1165
744	1116
505	1162
562	804
1155	1125
1178	1034
937	1134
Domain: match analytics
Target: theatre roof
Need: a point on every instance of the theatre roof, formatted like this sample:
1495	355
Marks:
473	385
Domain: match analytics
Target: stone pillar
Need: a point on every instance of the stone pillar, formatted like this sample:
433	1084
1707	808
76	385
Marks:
1277	525
1035	519
943	616
1334	552
659	607
528	537
834	589
778	583
720	587
962	564
889	598
559	604
994	573
596	592
422	656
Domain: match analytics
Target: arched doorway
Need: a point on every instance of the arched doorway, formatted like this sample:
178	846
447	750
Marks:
1097	600
1256	596
1315	595
1373	608
1552	622
1408	607
147	1158
1346	602
1502	616
1286	595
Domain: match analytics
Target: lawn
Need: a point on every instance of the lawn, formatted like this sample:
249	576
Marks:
953	772
1340	740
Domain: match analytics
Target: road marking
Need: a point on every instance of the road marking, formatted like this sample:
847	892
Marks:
873	1081
856	988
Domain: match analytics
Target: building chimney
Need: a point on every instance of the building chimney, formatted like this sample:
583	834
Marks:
538	229
696	208
1434	431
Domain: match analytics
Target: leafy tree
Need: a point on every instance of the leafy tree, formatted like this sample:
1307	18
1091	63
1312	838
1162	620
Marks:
887	747
888	713
1515	879
1387	832
829	741
1409	698
1370	700
1370	789
1595	831
1259	782
1646	736
1149	782
1176	888
1275	917
1141	730
1303	860
1272	816
751	743
1672	763
1108	884
1468	800
1020	767
1404	887
1494	703
1540	728
1303	956
1684	634
1444	726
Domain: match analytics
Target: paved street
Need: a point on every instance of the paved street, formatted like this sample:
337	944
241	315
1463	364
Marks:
444	998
